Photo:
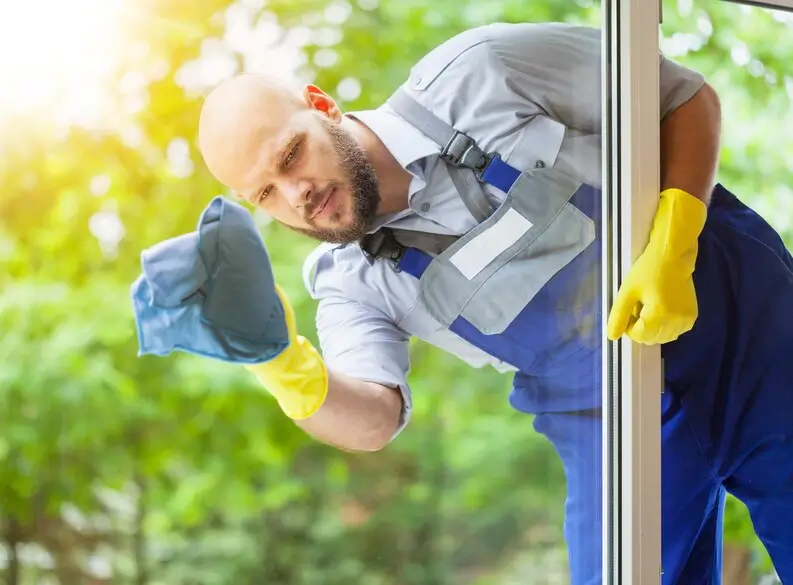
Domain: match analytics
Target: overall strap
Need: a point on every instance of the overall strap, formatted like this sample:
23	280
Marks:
458	149
392	242
464	158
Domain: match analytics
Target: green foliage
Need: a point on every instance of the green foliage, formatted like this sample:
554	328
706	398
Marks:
182	471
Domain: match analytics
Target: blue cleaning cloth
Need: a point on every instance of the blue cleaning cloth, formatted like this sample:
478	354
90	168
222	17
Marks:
211	292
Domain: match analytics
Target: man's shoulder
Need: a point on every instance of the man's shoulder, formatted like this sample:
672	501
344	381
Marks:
328	260
470	49
344	270
467	47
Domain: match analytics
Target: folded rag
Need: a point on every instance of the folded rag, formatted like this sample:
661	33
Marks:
211	292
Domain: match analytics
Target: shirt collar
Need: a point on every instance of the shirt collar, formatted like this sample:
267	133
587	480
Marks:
405	142
407	145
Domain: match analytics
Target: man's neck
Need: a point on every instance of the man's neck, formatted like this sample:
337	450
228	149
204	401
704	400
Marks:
392	178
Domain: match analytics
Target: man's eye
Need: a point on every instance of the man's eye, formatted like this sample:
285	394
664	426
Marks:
264	193
292	154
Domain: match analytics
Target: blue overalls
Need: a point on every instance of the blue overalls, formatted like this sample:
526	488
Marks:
728	402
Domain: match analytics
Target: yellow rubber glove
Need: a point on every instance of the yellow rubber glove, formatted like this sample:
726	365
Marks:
297	378
657	302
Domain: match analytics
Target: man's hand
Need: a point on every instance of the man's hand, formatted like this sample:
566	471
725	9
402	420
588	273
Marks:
297	377
657	302
349	414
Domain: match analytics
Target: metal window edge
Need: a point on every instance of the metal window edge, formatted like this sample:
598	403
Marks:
632	372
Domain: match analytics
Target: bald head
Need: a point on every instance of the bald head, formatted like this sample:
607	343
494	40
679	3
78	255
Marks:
238	117
286	150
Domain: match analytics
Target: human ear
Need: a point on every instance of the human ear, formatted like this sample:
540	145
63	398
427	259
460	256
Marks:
322	102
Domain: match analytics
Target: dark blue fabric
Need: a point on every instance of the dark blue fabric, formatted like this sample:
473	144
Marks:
727	409
500	174
758	471
555	342
211	292
577	438
744	282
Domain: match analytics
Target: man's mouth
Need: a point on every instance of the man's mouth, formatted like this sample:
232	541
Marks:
324	202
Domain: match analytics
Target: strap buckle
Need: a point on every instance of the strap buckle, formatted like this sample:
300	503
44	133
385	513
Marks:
383	244
462	151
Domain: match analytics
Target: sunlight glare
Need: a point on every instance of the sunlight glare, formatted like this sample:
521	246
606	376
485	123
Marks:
55	56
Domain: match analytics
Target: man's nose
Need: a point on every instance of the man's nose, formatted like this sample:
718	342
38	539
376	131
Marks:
297	192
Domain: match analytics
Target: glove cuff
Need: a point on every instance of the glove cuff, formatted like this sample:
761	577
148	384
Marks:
678	222
297	378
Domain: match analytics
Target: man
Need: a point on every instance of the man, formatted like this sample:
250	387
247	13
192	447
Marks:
466	212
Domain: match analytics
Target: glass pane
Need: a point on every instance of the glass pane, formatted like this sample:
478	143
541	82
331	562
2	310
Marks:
182	469
729	44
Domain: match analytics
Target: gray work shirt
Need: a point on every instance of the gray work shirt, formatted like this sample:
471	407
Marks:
531	92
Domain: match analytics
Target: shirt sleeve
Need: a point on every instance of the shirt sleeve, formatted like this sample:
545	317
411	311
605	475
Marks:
557	67
357	338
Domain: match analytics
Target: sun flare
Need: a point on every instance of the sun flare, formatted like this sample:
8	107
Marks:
55	55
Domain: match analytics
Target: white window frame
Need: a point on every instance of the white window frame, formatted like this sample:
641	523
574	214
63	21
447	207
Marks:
632	373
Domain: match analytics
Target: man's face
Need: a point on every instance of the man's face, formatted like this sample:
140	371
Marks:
327	183
302	167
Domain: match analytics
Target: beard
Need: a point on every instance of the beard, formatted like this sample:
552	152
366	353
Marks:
362	180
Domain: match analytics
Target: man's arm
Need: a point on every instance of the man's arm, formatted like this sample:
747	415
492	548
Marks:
356	415
365	355
369	400
355	396
556	69
690	142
